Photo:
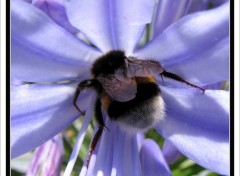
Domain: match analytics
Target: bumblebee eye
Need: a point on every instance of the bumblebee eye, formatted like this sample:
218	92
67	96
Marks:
108	63
116	63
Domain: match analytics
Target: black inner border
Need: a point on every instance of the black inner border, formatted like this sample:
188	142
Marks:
8	27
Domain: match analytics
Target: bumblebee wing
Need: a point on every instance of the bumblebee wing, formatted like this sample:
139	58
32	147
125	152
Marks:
121	75
118	90
143	68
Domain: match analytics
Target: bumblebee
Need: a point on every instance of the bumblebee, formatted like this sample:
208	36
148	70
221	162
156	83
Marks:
127	91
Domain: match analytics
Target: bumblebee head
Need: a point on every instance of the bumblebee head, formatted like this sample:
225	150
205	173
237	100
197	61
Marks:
108	63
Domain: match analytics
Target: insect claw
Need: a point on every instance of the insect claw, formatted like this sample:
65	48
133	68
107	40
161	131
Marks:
200	88
84	90
82	112
89	158
104	127
162	76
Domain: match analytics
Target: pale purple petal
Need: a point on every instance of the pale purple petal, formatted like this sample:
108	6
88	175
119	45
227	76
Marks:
88	171
152	160
105	153
216	3
117	167
198	5
206	68
131	162
33	28
111	24
117	154
47	158
215	86
140	140
79	141
170	152
169	11
27	64
39	112
56	11
198	125
16	82
190	35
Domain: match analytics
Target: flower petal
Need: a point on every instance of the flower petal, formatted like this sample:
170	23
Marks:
117	150
111	24
164	16
206	68
56	11
29	65
198	6
47	158
35	109
33	28
79	141
170	152
215	86
119	142
132	163
198	125
189	36
104	156
215	3
152	159
85	171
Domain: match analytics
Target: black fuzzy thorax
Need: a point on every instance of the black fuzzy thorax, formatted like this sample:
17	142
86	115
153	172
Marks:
108	63
146	92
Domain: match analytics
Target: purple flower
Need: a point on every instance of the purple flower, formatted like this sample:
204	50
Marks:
122	153
46	50
170	152
47	158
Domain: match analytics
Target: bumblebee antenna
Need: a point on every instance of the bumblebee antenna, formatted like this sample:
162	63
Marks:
178	78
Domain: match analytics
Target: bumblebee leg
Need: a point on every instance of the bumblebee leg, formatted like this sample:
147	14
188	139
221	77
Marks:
99	132
92	83
180	79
